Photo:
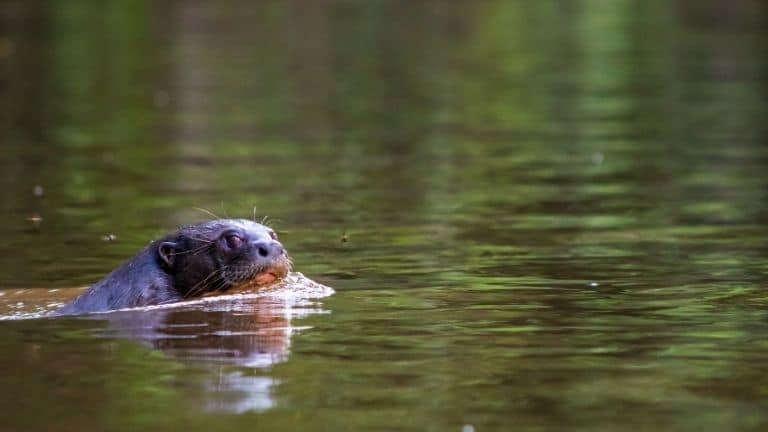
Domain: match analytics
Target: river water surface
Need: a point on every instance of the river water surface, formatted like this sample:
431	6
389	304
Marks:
540	216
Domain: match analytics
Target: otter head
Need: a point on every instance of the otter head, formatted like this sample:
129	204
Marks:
217	255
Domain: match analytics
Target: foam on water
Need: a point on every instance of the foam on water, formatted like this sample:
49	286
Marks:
295	292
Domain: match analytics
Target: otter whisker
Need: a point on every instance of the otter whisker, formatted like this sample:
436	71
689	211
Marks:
202	239
272	223
193	251
222	286
206	211
194	293
201	285
211	275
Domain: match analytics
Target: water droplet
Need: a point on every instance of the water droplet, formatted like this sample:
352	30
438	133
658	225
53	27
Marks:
36	219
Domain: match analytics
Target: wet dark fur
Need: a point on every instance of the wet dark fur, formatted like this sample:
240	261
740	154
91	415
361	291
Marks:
193	261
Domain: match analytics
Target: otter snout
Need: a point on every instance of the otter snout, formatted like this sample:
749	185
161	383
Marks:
267	249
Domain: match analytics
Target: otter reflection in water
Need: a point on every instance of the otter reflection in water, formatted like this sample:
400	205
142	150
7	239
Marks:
231	336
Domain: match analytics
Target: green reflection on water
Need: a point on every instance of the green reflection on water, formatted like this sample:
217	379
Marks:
554	211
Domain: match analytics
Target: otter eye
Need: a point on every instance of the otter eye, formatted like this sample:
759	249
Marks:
273	235
234	241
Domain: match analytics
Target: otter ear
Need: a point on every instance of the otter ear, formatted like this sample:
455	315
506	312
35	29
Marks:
166	251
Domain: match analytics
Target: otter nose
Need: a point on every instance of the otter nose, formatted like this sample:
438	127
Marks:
268	249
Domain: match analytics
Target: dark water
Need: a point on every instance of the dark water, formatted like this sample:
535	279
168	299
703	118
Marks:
555	212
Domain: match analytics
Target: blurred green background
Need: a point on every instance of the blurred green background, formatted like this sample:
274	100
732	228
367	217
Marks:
555	210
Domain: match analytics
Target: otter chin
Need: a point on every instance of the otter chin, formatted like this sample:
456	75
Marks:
197	260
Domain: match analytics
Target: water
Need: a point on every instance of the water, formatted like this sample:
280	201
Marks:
536	215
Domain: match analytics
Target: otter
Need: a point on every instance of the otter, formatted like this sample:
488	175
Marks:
196	260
